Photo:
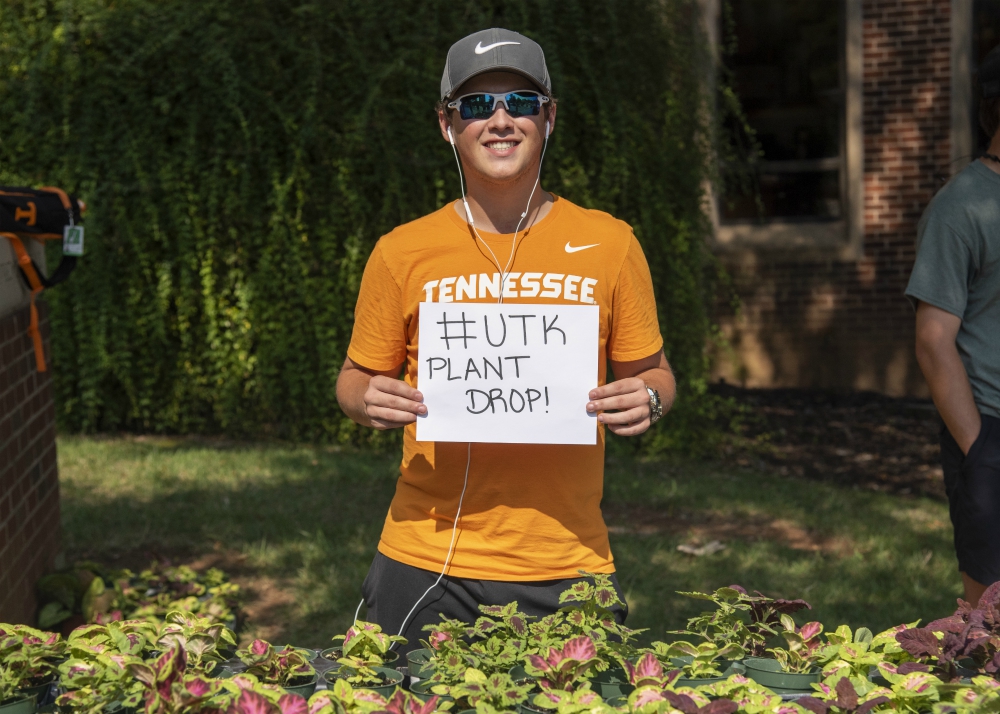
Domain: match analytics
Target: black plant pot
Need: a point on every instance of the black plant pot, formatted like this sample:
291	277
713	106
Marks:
612	683
419	663
18	705
304	688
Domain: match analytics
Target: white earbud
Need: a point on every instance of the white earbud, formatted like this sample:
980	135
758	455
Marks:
548	127
452	139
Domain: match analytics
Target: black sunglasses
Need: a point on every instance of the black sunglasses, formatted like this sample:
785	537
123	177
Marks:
481	105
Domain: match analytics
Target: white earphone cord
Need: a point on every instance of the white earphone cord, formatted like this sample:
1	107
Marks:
503	277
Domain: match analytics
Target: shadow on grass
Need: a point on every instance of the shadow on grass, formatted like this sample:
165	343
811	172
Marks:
298	527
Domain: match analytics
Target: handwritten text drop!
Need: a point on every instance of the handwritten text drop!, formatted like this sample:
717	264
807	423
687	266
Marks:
515	374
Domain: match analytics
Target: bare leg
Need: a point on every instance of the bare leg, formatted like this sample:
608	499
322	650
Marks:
973	590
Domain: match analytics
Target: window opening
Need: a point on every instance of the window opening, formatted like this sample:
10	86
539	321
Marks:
985	36
788	71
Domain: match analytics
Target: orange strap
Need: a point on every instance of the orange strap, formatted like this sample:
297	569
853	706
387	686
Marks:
24	260
59	192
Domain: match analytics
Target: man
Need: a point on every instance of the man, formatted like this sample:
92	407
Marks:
530	517
955	286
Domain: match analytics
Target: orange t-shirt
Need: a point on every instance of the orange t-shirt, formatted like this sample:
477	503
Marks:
531	511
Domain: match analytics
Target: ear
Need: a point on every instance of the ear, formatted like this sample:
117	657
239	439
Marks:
550	119
444	123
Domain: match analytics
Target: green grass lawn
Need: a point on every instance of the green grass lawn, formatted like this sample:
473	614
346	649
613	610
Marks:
297	526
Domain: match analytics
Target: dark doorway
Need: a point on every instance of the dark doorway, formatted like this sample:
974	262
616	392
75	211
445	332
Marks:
985	36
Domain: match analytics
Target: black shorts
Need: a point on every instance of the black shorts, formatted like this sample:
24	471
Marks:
392	588
973	485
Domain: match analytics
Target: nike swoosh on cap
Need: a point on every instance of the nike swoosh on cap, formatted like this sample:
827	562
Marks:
577	249
480	49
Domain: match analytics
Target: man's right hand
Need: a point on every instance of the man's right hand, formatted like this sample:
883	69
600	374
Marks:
378	399
392	403
937	355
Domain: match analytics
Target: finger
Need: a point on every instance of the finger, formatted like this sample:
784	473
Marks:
624	401
391	401
395	386
386	425
621	386
391	417
629	429
625	417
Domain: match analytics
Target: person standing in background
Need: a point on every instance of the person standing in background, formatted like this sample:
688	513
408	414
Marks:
955	287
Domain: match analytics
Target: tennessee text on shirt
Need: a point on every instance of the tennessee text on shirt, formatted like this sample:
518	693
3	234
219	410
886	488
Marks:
524	285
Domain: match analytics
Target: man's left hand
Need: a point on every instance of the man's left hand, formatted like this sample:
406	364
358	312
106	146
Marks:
630	400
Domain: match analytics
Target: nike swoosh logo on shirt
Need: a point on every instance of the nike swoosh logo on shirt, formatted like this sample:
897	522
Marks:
480	49
577	249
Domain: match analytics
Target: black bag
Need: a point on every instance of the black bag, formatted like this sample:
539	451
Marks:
41	214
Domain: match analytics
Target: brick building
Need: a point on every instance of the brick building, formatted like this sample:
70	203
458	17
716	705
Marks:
29	482
863	109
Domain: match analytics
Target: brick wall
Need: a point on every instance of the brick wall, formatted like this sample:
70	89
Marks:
29	482
815	320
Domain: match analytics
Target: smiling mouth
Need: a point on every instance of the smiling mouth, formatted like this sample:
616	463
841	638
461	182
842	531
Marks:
501	145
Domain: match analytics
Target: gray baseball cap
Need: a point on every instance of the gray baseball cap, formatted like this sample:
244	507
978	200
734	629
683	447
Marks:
493	50
989	74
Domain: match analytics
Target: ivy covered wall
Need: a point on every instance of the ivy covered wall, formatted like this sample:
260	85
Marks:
241	157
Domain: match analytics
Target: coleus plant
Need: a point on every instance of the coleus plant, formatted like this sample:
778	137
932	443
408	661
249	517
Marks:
740	618
707	658
651	701
163	588
648	672
168	689
91	685
403	702
843	699
29	656
563	668
364	647
488	693
500	637
284	667
851	654
587	611
250	701
342	698
131	637
806	649
913	692
750	697
452	653
201	637
971	633
366	643
576	702
887	646
982	695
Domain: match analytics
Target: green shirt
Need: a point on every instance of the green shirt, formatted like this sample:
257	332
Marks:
958	270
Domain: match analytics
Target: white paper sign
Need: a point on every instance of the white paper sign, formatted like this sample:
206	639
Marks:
513	374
